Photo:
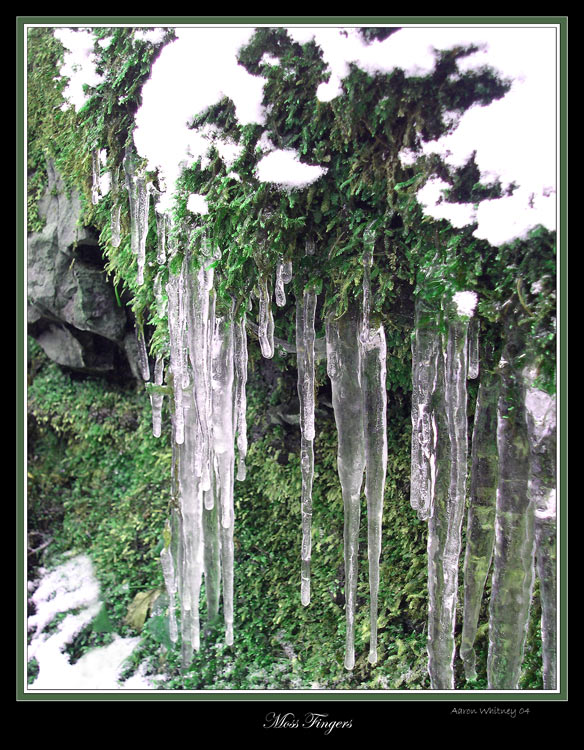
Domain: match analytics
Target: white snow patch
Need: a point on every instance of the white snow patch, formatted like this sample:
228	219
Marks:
465	303
284	168
79	64
73	586
197	204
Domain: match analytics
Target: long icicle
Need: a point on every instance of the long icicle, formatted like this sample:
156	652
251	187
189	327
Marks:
541	430
480	525
240	407
513	567
373	377
224	458
305	313
344	371
445	523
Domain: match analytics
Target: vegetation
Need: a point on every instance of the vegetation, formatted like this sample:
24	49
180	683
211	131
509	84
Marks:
99	481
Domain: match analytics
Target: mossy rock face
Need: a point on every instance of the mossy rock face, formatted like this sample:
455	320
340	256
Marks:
72	308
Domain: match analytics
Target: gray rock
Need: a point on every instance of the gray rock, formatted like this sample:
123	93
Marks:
68	290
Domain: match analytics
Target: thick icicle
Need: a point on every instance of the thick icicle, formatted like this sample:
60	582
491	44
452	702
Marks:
171	582
373	370
279	292
156	398
541	430
480	528
344	370
212	555
116	211
142	353
95	173
191	507
513	567
287	271
139	195
265	320
240	407
199	323
222	384
473	349
162	227
444	526
425	349
177	364
305	312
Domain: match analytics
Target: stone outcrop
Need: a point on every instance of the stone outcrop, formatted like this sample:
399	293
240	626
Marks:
72	309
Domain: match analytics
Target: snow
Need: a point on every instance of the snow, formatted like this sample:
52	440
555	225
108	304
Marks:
197	204
283	167
78	65
465	303
73	589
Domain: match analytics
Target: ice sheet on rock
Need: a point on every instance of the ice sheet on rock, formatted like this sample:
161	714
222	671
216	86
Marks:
480	526
445	523
425	351
541	430
513	564
373	373
344	371
266	319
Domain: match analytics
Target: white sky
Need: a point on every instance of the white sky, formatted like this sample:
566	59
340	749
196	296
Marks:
514	138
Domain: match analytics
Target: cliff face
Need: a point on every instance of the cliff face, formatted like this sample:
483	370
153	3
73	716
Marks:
72	309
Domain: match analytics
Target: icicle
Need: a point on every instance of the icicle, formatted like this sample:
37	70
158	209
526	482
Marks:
425	348
305	312
444	526
287	271
344	371
191	506
116	211
473	349
95	173
279	287
480	528
171	582
139	195
156	398
223	447
240	423
541	430
212	555
199	321
513	567
373	371
266	320
142	353
162	226
222	384
175	331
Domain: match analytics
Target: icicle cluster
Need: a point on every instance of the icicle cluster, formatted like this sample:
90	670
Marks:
356	366
208	373
511	514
